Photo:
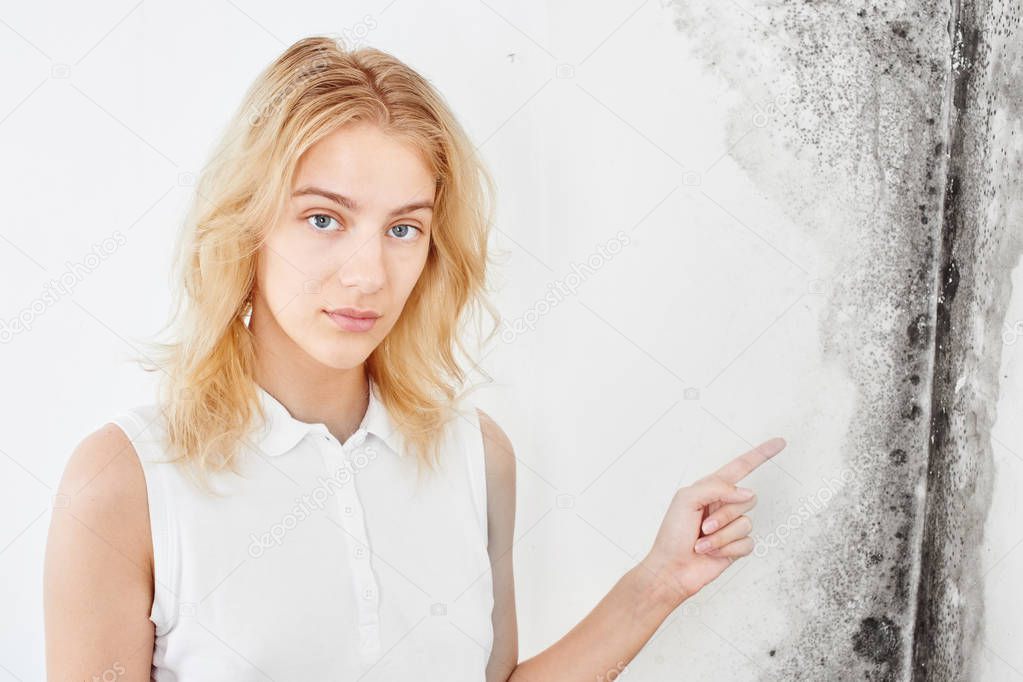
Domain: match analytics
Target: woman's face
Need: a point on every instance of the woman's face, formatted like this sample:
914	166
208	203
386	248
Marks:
355	234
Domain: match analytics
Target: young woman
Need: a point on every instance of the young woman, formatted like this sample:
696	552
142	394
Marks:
311	497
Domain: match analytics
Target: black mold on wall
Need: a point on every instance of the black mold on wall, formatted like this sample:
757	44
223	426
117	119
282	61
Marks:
853	164
901	157
983	115
878	639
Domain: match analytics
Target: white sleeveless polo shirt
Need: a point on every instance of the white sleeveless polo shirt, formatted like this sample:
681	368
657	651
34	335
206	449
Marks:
323	561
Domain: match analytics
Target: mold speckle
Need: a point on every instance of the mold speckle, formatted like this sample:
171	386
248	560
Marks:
897	456
919	332
951	281
877	639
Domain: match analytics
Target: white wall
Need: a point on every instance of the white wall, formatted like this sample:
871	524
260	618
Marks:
719	324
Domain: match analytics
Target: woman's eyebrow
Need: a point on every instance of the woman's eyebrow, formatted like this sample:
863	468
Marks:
353	206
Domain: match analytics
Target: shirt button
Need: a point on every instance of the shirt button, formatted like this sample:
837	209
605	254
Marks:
369	593
360	552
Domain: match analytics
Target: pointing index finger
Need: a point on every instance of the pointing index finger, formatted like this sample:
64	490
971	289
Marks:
741	466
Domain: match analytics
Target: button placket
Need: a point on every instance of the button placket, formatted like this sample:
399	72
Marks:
349	505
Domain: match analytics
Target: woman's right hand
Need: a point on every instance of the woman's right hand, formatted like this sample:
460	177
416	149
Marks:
678	554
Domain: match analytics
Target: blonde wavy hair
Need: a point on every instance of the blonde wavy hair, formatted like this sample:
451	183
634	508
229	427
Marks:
208	394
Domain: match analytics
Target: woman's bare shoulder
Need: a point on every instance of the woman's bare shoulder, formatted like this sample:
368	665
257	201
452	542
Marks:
98	584
500	454
104	488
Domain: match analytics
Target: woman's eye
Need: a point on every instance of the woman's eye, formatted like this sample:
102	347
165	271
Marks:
404	230
320	222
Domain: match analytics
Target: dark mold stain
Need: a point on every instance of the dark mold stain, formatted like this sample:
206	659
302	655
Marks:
976	252
928	661
919	332
878	640
861	132
900	28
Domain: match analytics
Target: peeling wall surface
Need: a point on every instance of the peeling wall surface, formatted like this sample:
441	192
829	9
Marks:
718	222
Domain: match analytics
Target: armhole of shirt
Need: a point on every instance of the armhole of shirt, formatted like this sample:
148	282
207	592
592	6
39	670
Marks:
163	611
477	461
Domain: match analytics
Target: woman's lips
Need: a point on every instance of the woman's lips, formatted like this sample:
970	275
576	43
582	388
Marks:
352	324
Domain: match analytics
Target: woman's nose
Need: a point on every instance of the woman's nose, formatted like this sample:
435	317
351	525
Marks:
361	262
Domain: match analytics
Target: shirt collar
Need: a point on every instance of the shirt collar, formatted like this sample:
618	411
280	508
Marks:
282	432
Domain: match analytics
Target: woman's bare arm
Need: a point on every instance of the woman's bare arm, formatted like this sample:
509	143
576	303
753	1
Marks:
610	636
98	579
500	532
602	643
